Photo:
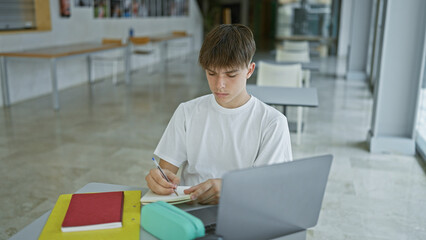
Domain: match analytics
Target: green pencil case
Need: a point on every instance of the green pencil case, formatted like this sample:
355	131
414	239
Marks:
166	221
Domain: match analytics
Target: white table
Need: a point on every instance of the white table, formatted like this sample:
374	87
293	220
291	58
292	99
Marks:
163	40
53	54
305	65
33	230
285	96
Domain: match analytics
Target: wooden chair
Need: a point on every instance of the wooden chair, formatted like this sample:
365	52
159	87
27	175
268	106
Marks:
282	76
180	47
180	33
109	59
292	56
141	46
111	41
296	46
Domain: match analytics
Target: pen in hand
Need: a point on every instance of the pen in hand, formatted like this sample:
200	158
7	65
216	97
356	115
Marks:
162	173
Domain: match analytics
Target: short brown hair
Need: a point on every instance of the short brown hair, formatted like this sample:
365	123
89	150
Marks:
227	45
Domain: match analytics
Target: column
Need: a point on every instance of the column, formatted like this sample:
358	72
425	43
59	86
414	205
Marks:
358	40
401	69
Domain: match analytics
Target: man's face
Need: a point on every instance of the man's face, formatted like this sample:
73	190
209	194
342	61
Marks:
229	85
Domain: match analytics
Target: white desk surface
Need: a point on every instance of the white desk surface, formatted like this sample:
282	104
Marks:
33	230
63	50
285	96
305	65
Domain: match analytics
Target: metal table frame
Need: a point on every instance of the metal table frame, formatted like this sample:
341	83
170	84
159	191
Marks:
53	58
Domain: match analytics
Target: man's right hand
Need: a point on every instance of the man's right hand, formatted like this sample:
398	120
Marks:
158	184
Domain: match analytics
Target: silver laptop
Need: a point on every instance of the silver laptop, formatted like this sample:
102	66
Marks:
269	201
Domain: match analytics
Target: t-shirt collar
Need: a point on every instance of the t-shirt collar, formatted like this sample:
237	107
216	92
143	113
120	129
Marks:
239	109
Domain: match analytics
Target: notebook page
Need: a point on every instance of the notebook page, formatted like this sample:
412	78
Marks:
152	197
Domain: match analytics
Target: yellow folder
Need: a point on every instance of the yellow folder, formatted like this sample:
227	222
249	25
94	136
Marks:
130	229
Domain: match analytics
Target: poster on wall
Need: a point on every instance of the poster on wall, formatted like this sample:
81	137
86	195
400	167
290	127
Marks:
152	12
127	8
100	9
82	3
137	8
64	8
166	8
178	8
116	8
143	8
159	9
185	8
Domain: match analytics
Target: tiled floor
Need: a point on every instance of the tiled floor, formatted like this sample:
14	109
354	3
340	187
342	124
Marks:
108	135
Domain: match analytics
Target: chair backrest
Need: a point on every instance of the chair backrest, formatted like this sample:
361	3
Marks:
287	56
111	41
179	33
279	75
139	40
296	45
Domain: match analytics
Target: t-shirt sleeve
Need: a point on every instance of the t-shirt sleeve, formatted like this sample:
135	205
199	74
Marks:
172	145
275	144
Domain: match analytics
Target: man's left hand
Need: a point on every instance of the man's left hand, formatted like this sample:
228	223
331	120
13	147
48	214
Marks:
207	192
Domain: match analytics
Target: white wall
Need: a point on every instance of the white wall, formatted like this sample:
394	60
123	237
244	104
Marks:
31	78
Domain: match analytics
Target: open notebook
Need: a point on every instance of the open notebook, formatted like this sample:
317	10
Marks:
151	197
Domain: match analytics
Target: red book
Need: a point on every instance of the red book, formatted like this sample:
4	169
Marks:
92	211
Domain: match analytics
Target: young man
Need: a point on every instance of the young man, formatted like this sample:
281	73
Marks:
222	131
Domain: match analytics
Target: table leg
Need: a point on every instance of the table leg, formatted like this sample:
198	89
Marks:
191	44
127	63
54	76
293	126
89	69
165	56
4	82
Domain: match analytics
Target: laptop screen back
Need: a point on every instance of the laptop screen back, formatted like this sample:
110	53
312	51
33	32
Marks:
271	201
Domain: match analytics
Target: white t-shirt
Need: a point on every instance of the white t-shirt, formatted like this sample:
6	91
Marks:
209	140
